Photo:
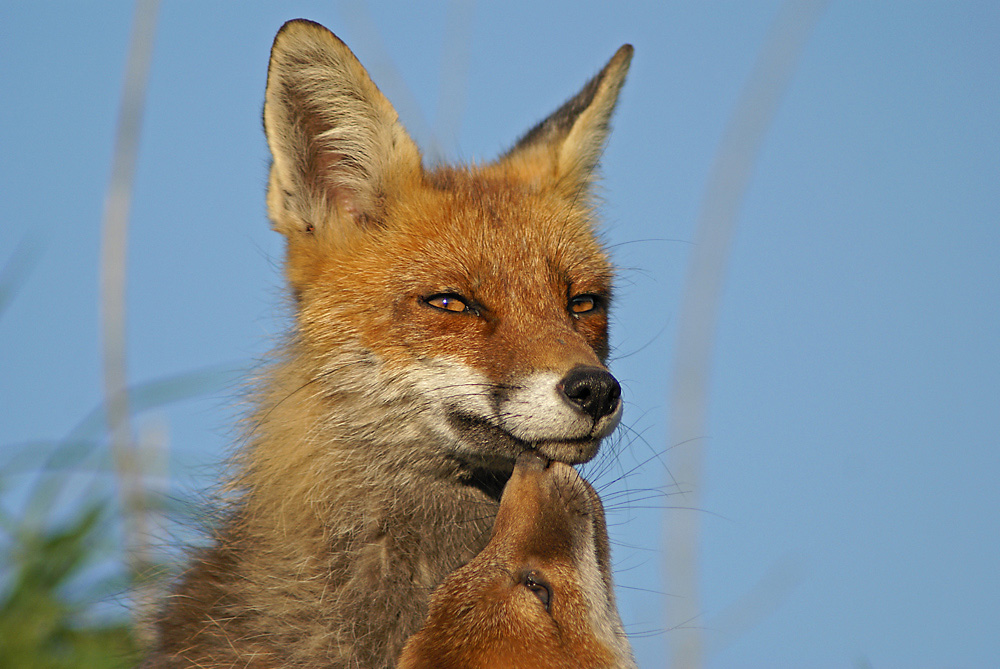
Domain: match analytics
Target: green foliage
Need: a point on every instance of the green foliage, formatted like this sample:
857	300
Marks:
41	624
55	550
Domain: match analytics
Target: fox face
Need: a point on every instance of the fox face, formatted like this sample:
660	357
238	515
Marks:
461	307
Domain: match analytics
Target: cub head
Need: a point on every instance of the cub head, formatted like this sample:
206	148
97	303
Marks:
540	593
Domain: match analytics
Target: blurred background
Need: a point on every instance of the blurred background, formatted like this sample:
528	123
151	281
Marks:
842	489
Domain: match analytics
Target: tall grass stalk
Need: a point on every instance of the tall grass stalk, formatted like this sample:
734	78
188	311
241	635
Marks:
113	281
727	184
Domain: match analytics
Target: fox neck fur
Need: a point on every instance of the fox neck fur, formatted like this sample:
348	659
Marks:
445	322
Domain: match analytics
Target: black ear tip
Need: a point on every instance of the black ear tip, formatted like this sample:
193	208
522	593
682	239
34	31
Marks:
301	24
304	29
622	57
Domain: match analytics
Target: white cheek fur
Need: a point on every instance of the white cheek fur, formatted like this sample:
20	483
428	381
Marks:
533	410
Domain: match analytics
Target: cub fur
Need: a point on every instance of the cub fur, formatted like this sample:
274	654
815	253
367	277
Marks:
539	595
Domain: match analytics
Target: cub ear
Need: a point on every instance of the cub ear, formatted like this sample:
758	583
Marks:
337	145
563	150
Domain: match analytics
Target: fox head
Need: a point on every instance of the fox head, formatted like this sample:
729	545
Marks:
540	594
465	306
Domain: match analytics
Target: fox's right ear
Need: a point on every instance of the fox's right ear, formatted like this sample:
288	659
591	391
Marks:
336	142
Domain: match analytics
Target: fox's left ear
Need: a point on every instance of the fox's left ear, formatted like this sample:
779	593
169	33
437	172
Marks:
563	150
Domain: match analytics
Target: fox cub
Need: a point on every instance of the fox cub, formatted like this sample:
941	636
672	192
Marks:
539	595
445	322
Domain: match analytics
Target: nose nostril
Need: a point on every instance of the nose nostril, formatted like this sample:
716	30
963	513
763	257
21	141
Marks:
593	390
616	392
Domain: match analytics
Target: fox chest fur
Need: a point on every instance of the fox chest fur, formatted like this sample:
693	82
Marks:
446	321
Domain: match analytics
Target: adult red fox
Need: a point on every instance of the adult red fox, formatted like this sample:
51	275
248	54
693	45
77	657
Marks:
446	321
540	593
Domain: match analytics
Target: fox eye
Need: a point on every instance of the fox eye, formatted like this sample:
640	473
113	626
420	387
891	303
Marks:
537	584
584	304
448	302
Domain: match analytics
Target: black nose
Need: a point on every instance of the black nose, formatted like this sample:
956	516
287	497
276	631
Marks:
593	390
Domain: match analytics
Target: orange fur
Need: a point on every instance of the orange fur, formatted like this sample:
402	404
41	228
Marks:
445	321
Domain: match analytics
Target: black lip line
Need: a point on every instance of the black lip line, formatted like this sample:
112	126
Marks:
526	445
490	469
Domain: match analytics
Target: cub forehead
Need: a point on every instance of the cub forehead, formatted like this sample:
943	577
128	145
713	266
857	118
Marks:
578	502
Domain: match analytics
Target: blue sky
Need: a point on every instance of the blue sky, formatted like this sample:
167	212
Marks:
850	505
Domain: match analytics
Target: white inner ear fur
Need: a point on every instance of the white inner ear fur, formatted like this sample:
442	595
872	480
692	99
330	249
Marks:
336	141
